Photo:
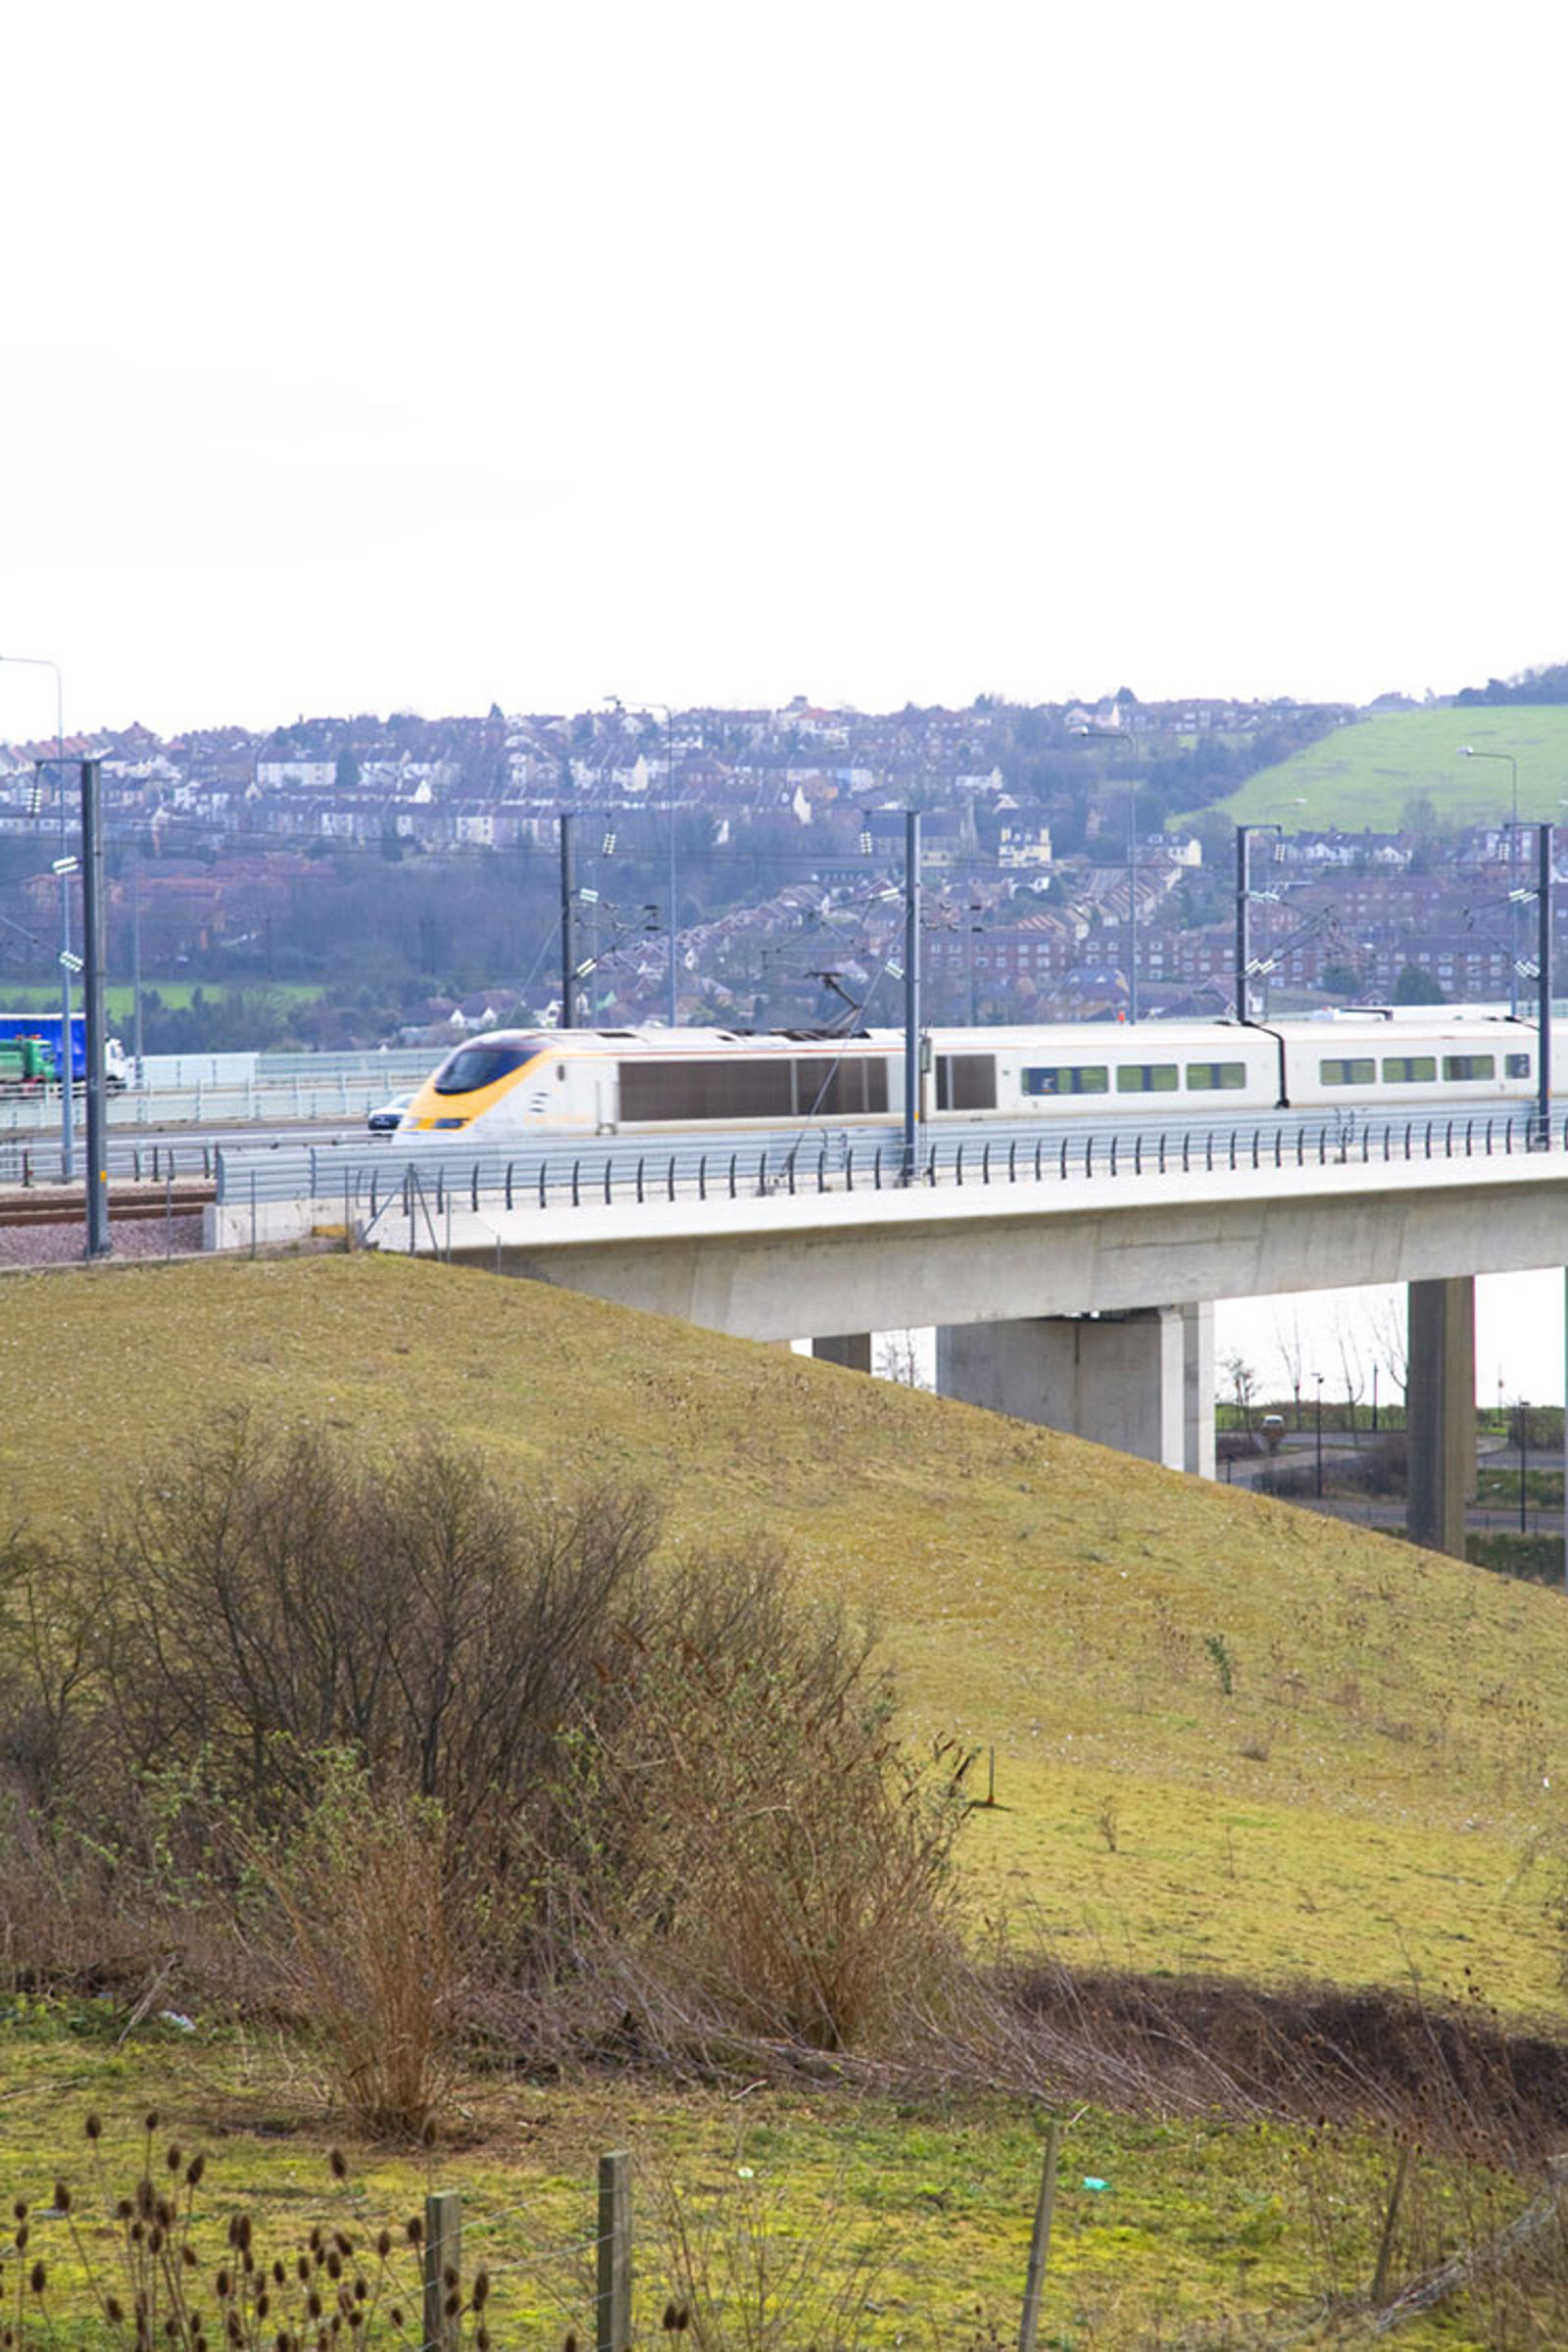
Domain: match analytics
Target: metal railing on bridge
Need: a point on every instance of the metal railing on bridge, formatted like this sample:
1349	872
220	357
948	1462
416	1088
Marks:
35	1166
369	1180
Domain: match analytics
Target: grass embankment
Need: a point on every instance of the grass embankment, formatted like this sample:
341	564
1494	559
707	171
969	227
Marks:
1367	772
1229	1737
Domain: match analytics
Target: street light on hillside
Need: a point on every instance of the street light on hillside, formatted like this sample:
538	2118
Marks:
1130	742
1467	751
64	866
670	803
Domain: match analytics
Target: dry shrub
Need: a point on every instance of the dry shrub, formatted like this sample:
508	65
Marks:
279	1598
68	1923
1449	2074
779	1861
678	1793
356	1923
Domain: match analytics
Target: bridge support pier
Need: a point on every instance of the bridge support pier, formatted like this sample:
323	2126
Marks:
851	1349
1198	1387
1440	1415
1142	1382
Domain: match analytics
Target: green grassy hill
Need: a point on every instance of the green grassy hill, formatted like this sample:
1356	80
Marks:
1228	1735
1368	772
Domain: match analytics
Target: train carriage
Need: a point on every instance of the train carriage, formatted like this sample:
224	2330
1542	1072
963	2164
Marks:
510	1085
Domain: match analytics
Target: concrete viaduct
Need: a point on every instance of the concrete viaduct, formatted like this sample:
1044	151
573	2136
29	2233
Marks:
1084	1305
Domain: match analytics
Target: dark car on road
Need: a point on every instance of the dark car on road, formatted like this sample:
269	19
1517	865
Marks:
387	1119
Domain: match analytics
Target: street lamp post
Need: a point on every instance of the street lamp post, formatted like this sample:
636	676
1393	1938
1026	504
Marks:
669	806
1119	735
64	866
1319	1377
1132	902
670	792
1467	751
1248	968
1544	878
913	1042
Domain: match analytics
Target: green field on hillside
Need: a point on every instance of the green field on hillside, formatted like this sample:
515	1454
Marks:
1369	773
1228	1735
119	997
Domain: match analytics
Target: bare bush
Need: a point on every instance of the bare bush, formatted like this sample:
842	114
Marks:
677	1793
780	1862
277	1601
356	1922
47	1621
1450	2074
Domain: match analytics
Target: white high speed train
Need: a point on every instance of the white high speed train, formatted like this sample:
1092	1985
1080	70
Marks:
516	1085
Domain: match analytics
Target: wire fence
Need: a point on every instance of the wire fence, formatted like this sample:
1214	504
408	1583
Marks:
716	2261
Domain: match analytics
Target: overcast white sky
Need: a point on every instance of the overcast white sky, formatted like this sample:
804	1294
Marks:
379	356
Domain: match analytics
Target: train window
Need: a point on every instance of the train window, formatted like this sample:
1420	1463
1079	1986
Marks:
1214	1077
1355	1071
1074	1079
1458	1067
714	1086
839	1090
1410	1069
1145	1078
1516	1065
476	1065
752	1086
966	1082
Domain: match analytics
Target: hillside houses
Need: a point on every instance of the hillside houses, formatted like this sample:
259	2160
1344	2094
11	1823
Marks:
786	831
489	782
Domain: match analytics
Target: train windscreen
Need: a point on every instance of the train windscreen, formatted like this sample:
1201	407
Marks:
481	1065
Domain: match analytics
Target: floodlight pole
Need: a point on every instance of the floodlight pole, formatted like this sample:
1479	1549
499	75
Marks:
92	907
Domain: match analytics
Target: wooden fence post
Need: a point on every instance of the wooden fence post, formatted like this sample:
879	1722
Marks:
443	2268
1391	2220
1040	2243
613	2327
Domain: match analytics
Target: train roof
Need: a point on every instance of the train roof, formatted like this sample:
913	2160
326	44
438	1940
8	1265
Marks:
1060	1037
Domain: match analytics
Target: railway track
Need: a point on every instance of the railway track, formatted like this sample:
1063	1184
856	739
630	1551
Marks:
126	1202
